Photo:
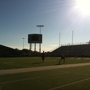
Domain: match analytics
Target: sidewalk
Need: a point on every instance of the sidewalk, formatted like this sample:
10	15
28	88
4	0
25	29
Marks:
22	70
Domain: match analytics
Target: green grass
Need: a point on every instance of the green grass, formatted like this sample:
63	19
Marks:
26	62
48	79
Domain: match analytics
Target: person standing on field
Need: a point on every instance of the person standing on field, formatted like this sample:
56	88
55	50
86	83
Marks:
62	58
43	56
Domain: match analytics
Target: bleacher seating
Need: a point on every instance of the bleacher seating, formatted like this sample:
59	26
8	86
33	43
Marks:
7	51
72	50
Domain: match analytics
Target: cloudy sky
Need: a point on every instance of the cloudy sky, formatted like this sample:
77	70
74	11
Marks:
18	18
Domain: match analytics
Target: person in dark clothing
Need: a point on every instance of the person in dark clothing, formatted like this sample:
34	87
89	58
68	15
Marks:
62	58
43	56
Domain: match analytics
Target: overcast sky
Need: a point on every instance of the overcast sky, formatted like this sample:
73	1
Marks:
18	18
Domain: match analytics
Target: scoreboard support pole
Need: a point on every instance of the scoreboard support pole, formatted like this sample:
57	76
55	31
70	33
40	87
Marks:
40	47
35	47
30	46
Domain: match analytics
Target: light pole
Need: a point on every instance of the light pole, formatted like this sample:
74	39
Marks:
40	27
72	40
23	43
72	37
59	39
40	33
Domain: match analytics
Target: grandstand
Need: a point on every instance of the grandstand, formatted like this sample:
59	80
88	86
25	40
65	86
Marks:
10	52
82	50
7	51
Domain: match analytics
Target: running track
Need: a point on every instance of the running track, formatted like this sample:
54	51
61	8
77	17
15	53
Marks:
22	70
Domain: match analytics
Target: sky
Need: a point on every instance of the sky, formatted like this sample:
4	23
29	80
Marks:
63	23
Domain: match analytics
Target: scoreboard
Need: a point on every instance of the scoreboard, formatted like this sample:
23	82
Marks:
34	38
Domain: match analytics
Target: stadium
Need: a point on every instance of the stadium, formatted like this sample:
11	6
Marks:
20	71
33	59
81	50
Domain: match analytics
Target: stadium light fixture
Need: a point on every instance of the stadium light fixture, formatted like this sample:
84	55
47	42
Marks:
40	27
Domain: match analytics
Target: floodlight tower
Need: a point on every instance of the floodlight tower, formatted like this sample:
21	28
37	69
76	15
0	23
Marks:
59	39
23	43
40	33
40	27
72	40
72	36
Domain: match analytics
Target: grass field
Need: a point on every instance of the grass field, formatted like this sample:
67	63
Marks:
76	78
26	62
